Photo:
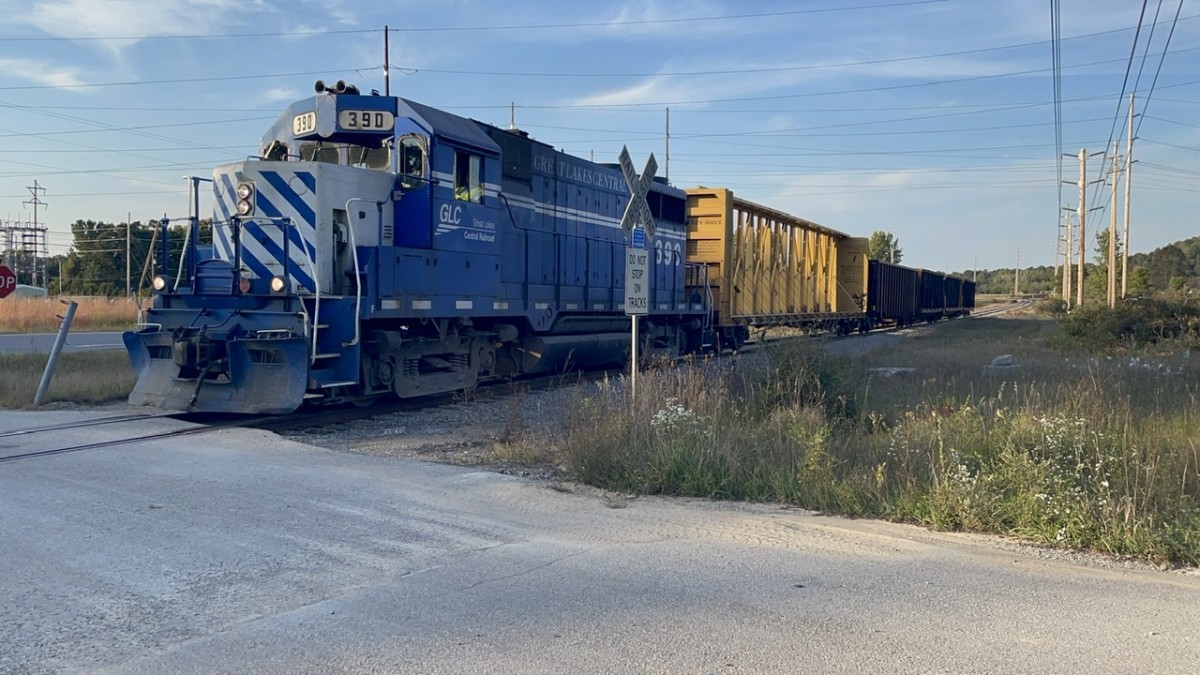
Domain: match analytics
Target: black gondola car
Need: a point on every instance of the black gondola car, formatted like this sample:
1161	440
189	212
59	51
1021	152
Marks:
891	294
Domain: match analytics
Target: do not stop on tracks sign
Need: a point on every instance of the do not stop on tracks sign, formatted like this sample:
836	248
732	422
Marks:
8	281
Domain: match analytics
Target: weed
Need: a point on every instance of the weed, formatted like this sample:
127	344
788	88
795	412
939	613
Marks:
1064	448
40	315
89	377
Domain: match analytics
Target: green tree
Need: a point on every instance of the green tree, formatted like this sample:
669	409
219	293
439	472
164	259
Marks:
884	246
1167	263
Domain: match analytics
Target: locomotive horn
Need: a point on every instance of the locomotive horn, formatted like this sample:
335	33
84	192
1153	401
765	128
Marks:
340	87
319	86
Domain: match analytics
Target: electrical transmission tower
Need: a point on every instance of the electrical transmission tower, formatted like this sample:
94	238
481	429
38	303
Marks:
25	248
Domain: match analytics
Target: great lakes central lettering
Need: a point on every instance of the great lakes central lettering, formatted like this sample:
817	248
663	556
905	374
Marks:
580	174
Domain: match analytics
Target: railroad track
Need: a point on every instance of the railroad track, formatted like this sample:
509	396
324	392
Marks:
301	419
125	440
100	421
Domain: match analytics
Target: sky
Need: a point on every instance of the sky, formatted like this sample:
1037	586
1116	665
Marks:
934	120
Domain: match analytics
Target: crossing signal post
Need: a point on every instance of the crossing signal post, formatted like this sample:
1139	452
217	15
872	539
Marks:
638	223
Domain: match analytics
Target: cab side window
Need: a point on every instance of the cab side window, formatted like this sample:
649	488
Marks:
412	162
468	179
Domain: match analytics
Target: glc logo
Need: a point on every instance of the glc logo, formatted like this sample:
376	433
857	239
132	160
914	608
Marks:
450	215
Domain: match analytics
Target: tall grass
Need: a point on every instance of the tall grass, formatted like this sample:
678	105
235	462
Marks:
89	377
40	315
1063	448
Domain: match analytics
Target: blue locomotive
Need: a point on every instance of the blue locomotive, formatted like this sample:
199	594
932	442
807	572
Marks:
380	246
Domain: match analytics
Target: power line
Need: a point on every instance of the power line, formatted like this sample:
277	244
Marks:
772	69
456	29
1154	83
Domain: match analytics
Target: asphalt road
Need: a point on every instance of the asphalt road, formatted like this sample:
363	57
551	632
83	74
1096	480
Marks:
42	343
236	551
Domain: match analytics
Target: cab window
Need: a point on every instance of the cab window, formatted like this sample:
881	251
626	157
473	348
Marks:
315	152
378	159
468	181
412	162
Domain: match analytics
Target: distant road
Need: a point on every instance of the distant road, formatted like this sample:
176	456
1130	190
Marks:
31	343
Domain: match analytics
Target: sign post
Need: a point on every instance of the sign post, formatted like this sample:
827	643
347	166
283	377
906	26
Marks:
8	281
637	299
638	223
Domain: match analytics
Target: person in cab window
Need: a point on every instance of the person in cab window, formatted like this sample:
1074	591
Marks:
467	184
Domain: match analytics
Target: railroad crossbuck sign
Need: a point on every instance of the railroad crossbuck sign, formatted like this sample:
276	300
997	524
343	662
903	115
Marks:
8	281
637	210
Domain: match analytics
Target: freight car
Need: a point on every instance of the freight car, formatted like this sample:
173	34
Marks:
767	268
901	296
381	246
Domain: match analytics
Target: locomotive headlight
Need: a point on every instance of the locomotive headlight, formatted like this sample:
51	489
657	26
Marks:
245	196
278	284
159	283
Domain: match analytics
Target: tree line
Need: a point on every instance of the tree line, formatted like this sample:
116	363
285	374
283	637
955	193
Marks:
96	262
1174	268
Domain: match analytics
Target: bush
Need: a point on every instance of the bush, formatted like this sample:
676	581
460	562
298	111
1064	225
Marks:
1133	324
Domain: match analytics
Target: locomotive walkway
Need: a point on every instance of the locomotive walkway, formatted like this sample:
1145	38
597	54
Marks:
237	551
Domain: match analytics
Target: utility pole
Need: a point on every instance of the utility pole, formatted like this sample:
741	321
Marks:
1017	276
128	247
1082	223
34	240
1057	246
1128	181
1112	231
1066	279
387	73
667	149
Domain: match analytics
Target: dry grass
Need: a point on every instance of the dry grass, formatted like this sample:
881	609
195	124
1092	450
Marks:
89	377
40	315
1063	448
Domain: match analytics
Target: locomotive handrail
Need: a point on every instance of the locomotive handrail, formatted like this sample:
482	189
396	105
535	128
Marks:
316	317
187	240
357	271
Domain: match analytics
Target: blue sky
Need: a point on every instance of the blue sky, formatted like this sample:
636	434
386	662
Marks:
930	119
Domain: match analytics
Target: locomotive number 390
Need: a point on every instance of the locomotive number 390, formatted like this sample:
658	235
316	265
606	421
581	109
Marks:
374	120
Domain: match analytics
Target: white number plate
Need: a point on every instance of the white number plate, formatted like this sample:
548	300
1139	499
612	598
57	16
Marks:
305	123
374	120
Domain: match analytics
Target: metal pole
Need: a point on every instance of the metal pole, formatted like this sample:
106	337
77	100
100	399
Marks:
387	73
58	345
633	362
667	149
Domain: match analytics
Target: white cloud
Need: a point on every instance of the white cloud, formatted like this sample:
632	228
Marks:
42	72
133	19
276	94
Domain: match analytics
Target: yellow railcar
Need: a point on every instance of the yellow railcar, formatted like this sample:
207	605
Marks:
766	268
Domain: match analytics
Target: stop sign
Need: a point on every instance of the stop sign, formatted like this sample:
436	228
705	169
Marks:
8	281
